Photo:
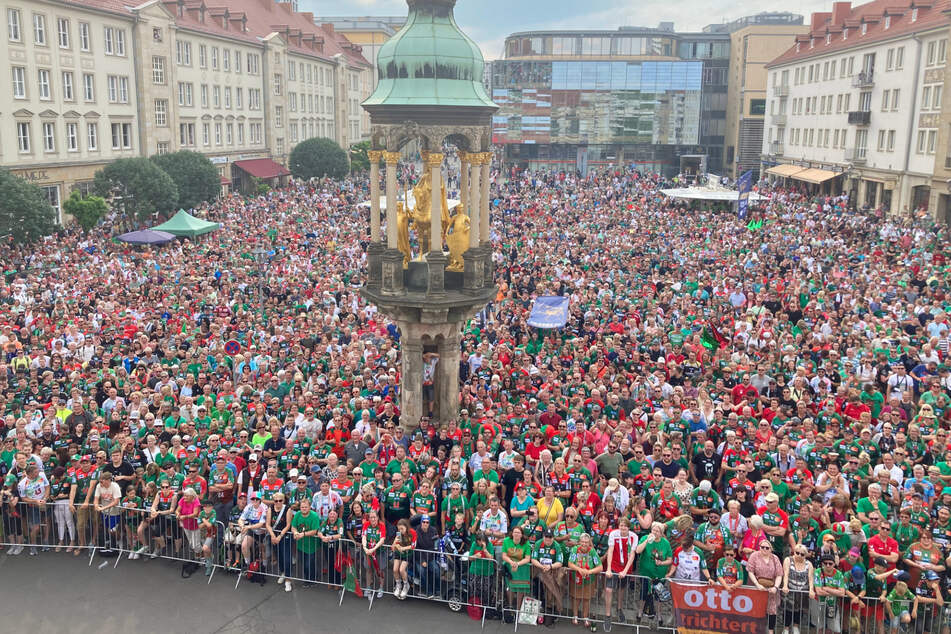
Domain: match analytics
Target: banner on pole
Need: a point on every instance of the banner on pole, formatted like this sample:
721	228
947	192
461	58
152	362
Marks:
550	311
744	186
703	609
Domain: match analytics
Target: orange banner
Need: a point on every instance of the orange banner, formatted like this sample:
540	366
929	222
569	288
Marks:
704	609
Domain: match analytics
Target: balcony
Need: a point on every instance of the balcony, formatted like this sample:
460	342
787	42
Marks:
860	117
776	147
781	90
865	79
856	154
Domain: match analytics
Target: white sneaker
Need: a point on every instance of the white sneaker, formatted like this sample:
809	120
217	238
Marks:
134	556
397	588
287	586
142	551
406	587
13	551
155	554
785	630
281	580
131	555
379	592
795	629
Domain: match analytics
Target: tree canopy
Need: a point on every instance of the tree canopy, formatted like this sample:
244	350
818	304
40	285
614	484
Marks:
87	211
195	176
25	212
316	158
144	187
359	159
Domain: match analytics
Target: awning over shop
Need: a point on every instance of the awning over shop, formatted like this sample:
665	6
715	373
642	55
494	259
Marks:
262	168
815	176
785	170
225	181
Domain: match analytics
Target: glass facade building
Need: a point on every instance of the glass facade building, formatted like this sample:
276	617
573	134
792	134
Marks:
642	96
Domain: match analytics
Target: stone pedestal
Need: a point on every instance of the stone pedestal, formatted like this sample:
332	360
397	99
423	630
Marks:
411	381
437	262
375	264
392	272
473	271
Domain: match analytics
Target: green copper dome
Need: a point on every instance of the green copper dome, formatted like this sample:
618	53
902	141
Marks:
430	62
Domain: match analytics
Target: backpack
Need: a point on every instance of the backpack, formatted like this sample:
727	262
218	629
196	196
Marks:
254	572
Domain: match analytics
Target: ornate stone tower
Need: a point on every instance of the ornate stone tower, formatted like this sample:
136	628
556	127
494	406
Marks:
430	91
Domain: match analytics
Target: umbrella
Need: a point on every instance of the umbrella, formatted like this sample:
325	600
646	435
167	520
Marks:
147	236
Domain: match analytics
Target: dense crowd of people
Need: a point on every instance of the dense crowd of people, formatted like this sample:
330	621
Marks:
725	405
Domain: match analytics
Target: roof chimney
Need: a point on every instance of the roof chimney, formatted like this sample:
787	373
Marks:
327	26
819	21
840	11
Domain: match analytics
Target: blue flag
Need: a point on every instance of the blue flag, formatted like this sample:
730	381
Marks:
744	186
549	312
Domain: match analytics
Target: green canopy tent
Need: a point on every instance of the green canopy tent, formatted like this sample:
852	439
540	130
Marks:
185	224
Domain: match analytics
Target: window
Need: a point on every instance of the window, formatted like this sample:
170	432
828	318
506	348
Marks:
113	83
253	61
237	62
278	117
49	137
881	140
89	88
216	96
240	134
62	32
186	134
227	97
72	137
202	56
895	94
899	58
914	14
84	37
120	42
109	36
932	53
254	98
926	97
229	134
162	147
864	28
92	136
67	86
52	196
184	93
13	25
23	136
942	51
19	82
293	129
891	141
214	58
203	91
121	136
886	99
922	140
217	134
183	53
936	97
39	29
239	98
43	84
292	101
226	59
158	69
206	134
291	71
932	140
888	22
277	84
161	113
890	59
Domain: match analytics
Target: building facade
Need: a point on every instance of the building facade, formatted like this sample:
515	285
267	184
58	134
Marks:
857	102
97	81
754	42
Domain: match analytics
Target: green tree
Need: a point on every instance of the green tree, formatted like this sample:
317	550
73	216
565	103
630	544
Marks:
25	212
359	159
316	158
195	176
86	211
145	188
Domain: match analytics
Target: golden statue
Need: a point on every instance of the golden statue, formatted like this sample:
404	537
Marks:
457	237
446	220
402	233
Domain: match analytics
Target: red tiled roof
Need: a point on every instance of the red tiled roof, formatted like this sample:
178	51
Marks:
262	168
930	15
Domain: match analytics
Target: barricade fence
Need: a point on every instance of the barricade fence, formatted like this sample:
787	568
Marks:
485	584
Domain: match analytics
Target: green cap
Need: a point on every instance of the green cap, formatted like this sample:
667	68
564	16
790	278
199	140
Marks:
76	457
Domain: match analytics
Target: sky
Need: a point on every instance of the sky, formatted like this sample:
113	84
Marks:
488	22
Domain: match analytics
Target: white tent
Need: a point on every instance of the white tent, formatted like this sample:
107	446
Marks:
707	193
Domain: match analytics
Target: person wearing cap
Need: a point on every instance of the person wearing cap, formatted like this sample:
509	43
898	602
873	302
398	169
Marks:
829	586
80	496
711	538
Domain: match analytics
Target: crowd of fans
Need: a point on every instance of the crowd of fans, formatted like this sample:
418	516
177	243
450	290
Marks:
726	405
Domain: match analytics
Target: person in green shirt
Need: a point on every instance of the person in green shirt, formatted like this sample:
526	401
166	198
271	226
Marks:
206	524
829	585
305	526
873	502
482	569
898	605
729	571
584	562
655	557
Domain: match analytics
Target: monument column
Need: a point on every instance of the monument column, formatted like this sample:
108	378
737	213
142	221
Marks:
475	194
484	224
436	259
411	380
375	248
473	274
392	267
464	181
447	378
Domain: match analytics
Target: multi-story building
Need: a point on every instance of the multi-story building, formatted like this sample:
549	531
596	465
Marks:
857	102
242	81
754	41
636	95
71	104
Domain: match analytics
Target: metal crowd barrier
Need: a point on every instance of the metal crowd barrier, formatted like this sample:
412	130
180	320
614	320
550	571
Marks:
438	576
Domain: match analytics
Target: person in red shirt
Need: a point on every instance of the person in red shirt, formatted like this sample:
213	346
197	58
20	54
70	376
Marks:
884	545
744	391
620	557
